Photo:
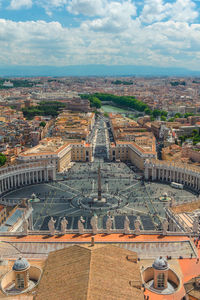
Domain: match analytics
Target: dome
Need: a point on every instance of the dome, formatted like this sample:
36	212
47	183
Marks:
160	264
21	264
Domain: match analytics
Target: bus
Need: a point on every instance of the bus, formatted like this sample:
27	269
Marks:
177	185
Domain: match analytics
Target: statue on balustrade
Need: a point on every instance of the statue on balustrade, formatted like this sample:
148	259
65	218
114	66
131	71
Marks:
81	222
64	223
51	226
172	202
109	224
25	227
195	225
94	224
126	225
165	225
137	225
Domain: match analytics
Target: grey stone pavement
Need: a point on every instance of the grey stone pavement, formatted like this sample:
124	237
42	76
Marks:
138	198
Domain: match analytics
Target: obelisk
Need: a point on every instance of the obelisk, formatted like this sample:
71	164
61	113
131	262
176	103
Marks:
99	184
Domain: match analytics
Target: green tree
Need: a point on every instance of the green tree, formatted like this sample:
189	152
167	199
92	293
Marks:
42	124
171	119
125	101
195	132
95	102
196	140
148	111
163	118
186	115
156	113
2	159
182	138
152	118
178	115
164	113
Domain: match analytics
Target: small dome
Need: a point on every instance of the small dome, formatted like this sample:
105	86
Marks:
21	264
160	264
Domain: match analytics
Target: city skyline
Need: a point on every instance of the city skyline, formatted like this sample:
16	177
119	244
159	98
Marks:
112	33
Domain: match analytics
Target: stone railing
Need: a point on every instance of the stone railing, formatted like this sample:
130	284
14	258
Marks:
100	231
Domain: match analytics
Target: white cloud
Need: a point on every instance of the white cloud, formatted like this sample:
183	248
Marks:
116	17
87	7
18	4
50	5
184	11
154	10
179	10
113	34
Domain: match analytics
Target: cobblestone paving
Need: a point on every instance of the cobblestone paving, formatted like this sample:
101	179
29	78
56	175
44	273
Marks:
138	198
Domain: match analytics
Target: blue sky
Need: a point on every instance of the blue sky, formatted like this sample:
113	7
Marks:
111	32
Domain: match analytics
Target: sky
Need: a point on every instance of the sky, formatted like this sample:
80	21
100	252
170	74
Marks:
111	32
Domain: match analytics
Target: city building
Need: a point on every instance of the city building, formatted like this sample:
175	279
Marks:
58	152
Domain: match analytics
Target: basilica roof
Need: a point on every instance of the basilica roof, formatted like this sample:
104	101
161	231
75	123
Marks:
91	273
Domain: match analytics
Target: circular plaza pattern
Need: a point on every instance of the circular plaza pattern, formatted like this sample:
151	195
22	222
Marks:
91	203
124	192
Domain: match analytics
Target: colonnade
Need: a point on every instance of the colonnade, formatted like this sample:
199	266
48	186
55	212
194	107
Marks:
173	172
18	175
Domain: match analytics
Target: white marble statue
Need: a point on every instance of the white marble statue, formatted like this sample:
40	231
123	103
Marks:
81	222
172	202
64	223
137	225
165	225
25	227
126	225
109	223
51	226
94	224
195	225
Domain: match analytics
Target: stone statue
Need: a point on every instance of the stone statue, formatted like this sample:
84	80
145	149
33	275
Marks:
126	225
165	225
81	222
109	223
64	223
25	227
195	225
51	226
94	224
137	225
172	202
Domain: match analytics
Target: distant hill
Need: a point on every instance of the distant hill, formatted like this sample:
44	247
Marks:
94	70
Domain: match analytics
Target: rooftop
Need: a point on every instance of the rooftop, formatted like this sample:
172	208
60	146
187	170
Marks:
90	273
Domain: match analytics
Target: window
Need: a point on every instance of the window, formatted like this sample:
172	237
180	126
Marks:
160	280
20	281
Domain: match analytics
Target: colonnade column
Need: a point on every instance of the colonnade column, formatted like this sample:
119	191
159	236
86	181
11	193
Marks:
37	176
1	185
25	177
8	181
41	176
